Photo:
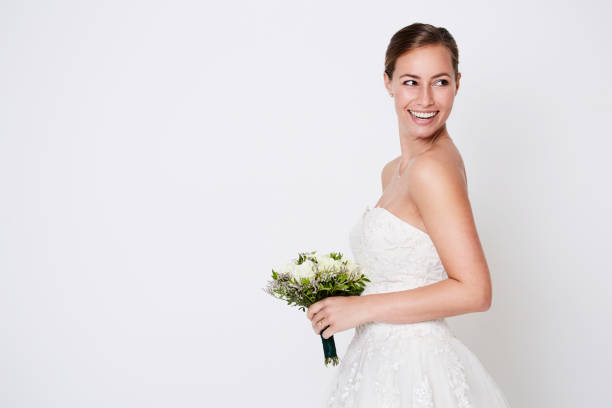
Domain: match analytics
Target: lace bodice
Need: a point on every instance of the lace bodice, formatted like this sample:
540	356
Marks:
394	254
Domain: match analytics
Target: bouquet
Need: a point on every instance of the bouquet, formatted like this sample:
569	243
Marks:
310	278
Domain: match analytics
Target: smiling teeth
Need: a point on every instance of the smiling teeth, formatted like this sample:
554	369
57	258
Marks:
423	115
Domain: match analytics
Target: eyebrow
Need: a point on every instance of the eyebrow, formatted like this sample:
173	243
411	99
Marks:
418	77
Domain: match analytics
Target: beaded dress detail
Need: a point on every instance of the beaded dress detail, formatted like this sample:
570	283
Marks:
415	365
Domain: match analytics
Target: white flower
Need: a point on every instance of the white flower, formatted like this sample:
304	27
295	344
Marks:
328	263
288	267
304	270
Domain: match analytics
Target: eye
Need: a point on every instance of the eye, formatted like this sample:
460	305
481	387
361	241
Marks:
410	80
444	80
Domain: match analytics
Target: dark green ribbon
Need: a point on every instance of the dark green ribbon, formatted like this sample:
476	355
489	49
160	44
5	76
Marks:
329	349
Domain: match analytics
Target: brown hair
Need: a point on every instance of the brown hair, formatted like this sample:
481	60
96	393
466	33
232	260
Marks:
418	35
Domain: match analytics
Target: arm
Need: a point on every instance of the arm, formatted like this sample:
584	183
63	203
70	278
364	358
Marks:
440	195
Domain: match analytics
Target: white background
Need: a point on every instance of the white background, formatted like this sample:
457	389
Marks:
157	159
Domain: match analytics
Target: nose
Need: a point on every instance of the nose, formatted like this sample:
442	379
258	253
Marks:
426	96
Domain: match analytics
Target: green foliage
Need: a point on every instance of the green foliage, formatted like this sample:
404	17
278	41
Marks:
303	256
335	255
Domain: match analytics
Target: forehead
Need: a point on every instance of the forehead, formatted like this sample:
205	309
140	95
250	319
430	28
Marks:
425	60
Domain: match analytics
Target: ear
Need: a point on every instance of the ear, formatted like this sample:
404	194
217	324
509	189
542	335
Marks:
387	81
458	78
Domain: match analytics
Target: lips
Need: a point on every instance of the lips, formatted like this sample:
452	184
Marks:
423	121
426	114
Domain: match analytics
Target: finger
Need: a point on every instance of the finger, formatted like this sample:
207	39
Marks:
318	316
328	332
318	324
318	312
314	308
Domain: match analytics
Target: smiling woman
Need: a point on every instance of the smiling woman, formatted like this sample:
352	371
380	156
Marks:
420	250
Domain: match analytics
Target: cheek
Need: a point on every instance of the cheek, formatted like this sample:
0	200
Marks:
407	93
445	97
404	99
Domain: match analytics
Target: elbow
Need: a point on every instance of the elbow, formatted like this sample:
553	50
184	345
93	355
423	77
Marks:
482	295
484	306
485	302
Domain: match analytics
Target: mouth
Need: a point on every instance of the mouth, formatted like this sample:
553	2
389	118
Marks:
423	118
423	114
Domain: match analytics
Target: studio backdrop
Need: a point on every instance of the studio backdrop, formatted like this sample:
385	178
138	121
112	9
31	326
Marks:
157	159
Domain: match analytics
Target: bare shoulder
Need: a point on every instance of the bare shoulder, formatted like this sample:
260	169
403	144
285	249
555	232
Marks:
436	166
387	171
440	164
437	186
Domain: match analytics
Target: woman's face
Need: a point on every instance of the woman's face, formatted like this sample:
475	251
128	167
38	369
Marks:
423	84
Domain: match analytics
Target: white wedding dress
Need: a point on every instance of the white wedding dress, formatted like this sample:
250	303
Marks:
415	365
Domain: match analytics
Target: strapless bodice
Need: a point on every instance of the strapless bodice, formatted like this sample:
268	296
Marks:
393	254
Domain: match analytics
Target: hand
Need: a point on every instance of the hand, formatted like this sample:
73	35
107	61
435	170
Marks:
338	312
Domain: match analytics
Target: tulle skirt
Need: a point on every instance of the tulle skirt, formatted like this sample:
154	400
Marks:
416	365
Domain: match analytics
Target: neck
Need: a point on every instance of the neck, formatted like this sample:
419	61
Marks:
413	146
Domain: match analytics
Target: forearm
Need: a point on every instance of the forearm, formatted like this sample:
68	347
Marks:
448	297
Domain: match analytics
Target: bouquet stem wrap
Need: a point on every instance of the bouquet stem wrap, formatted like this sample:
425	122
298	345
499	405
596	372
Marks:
329	349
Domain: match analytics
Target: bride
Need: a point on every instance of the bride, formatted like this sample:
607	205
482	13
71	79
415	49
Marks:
420	248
